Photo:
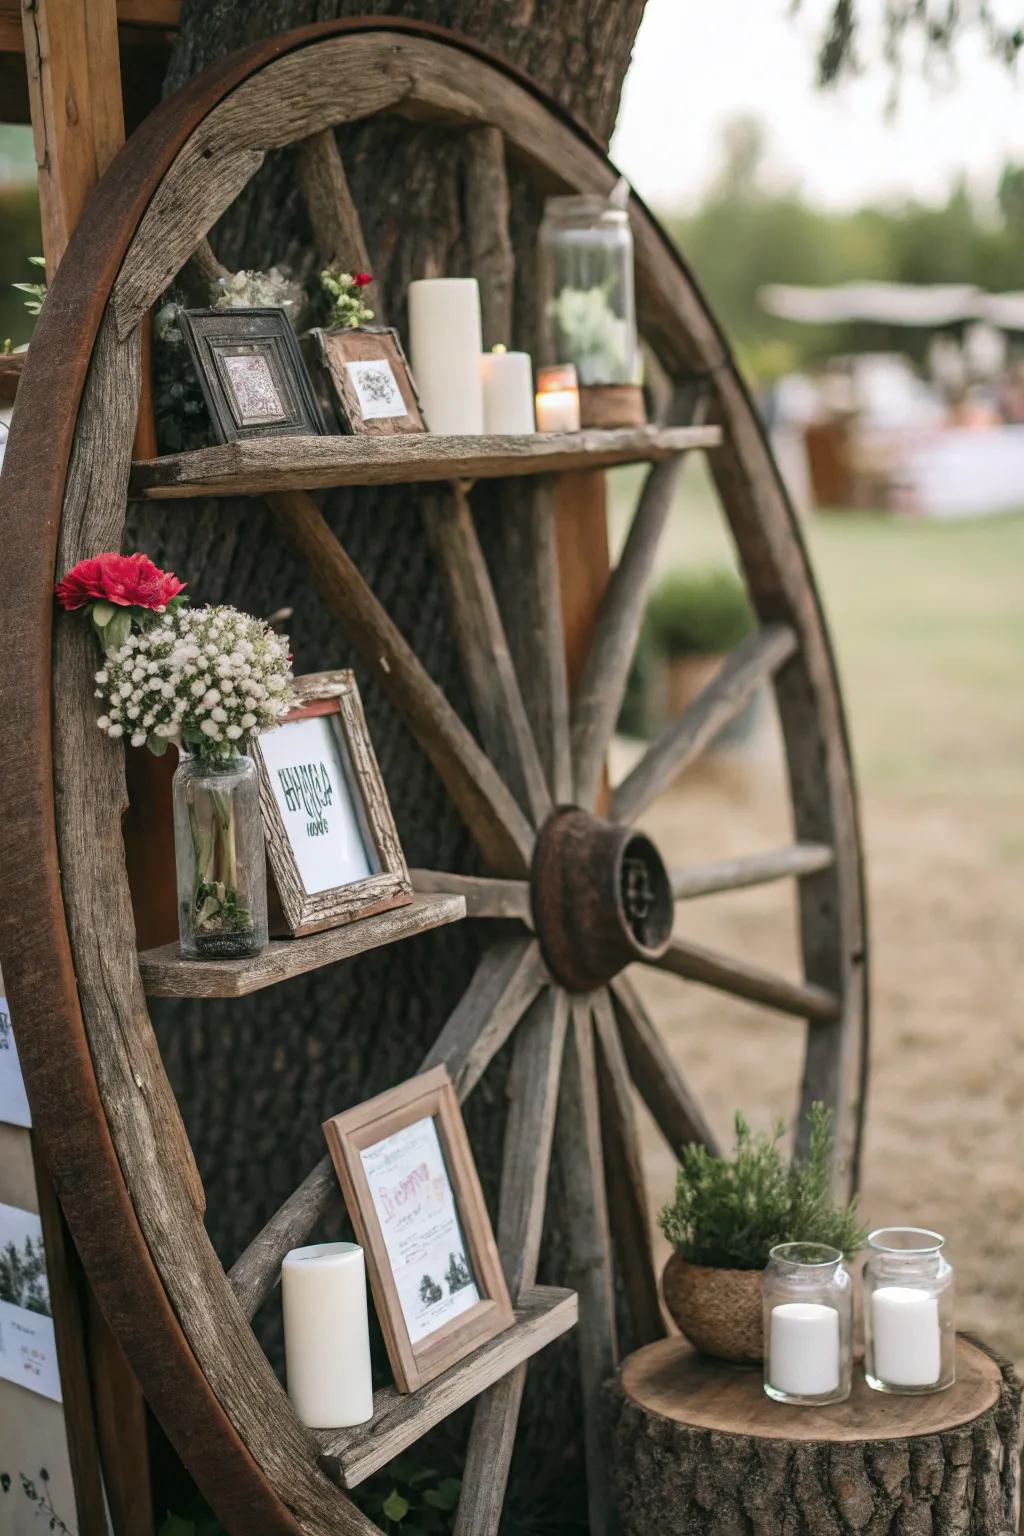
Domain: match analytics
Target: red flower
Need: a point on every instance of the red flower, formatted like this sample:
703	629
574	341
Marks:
129	581
361	279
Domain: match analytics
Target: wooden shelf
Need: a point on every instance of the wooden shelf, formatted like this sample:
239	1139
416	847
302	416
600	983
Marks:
166	974
259	465
399	1419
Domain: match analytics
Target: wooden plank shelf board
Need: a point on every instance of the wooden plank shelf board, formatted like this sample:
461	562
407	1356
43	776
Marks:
350	1456
258	465
165	974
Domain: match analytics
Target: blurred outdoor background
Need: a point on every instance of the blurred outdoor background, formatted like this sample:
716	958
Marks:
863	246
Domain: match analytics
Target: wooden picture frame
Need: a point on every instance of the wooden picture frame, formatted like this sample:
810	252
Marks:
387	1139
251	372
325	782
367	359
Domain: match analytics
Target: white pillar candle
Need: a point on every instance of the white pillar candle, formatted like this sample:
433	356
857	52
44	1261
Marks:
803	1349
906	1336
558	399
326	1335
446	342
508	391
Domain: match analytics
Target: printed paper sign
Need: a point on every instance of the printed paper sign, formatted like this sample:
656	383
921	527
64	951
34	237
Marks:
306	769
28	1351
13	1099
376	388
415	1206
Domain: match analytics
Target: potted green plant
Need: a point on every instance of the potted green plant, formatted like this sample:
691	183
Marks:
693	620
728	1213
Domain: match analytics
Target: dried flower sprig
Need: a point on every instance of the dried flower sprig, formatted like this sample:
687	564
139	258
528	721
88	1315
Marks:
207	678
344	294
252	289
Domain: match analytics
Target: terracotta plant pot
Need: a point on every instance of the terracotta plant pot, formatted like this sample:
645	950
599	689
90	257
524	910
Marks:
719	1310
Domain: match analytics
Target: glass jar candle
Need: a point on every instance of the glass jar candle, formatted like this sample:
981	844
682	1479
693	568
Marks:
808	1324
220	858
909	1337
588	308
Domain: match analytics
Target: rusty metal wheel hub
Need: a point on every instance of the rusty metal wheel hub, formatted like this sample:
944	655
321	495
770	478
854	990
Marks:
601	898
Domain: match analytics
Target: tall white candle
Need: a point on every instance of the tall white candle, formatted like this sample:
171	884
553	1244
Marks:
446	342
326	1335
906	1337
803	1349
508	391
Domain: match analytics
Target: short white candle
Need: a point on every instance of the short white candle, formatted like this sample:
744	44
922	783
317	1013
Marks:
508	391
803	1349
446	341
906	1336
326	1335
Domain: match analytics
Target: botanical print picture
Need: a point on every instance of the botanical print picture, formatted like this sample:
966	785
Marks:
415	1206
28	1350
253	391
376	388
307	772
14	1108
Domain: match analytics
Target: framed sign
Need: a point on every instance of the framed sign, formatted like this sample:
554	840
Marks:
251	372
413	1195
332	845
371	386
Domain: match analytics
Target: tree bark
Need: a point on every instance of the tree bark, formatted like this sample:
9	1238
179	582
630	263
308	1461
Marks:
257	1076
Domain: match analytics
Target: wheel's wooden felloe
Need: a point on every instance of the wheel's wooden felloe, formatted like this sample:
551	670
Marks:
101	1101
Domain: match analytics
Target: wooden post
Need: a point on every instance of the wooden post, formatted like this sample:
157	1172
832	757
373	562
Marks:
74	80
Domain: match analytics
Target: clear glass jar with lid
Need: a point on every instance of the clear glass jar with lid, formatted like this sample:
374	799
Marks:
808	1324
909	1325
588	307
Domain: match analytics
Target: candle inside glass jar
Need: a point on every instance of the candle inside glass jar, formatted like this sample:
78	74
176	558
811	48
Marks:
803	1349
558	399
906	1337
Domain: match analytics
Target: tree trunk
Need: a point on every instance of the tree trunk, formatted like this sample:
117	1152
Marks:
256	1077
698	1450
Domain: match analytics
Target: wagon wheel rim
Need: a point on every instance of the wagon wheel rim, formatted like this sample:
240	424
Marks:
194	1347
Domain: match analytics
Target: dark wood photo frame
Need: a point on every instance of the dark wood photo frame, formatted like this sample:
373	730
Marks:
342	352
226	343
350	1135
333	698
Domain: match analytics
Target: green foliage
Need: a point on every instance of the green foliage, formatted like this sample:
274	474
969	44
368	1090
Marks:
729	1214
409	1500
36	291
698	613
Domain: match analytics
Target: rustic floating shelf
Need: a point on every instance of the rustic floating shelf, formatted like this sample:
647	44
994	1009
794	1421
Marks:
258	465
400	1419
166	974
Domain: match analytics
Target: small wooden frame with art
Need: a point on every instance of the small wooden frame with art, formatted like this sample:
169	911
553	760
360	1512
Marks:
413	1195
371	386
332	846
251	373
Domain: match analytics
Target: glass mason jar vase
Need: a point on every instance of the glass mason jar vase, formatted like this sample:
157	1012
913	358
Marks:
808	1324
909	1337
588	308
220	859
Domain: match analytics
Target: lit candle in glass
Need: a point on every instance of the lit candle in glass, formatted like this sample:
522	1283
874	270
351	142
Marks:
558	399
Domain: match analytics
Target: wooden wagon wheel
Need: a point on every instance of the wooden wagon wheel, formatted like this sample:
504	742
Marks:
589	894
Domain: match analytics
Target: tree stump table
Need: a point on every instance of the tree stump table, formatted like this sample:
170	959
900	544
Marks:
698	1448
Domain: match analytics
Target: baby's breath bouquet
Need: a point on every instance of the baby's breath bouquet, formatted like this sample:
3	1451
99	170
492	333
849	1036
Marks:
208	680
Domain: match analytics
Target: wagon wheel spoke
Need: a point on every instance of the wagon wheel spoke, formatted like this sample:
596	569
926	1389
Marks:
483	897
486	659
581	1169
533	1098
498	826
752	662
505	982
531	605
602	685
673	1106
624	1172
792	862
693	962
333	217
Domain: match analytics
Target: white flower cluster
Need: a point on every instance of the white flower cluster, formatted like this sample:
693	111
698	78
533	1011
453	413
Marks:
207	677
272	289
